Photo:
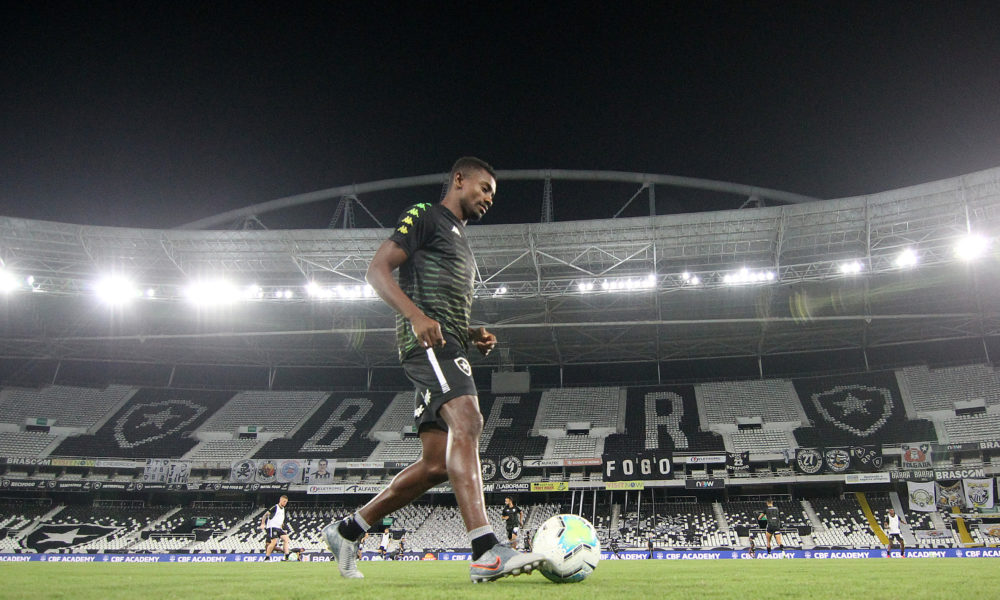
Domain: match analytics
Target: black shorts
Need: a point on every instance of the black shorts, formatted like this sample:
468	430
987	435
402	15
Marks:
511	532
435	387
896	536
773	528
274	533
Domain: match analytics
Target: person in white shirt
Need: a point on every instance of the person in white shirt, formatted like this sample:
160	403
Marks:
892	530
273	524
383	548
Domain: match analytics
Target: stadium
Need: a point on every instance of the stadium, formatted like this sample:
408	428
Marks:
160	388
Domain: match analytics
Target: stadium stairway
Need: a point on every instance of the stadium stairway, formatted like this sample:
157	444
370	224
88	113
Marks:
963	532
814	520
872	521
720	517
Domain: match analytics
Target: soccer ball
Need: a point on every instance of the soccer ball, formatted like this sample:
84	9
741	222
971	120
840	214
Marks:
570	546
293	556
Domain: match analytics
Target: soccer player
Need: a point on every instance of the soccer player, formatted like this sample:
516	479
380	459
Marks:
383	547
513	518
892	530
773	518
433	304
273	524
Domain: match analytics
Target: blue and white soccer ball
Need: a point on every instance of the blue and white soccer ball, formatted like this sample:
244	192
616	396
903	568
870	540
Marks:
570	546
294	556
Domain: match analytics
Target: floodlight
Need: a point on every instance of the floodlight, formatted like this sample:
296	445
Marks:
8	281
116	290
907	258
851	268
212	293
971	246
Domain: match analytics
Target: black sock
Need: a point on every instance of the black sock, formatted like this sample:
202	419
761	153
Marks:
483	543
350	529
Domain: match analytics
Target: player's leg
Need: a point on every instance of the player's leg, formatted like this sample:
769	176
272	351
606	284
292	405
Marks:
465	425
781	545
491	560
767	541
902	546
285	543
271	543
411	483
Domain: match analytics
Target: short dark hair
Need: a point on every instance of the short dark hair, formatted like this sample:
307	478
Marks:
470	162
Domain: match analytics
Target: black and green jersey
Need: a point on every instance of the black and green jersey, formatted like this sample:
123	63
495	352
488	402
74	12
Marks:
773	516
438	274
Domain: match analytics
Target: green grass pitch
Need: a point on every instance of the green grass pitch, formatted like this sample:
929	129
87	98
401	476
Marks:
865	579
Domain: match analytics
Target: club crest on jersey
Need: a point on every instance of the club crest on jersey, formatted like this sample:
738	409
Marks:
859	409
463	365
455	230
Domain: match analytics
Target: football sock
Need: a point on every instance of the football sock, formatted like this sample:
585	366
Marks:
483	539
353	527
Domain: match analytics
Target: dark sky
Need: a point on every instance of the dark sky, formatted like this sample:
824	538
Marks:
156	114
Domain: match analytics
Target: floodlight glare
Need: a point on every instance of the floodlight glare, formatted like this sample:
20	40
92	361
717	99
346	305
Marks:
116	290
906	258
212	293
972	246
851	268
8	281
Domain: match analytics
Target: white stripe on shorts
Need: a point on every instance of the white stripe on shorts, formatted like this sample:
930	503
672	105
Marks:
437	371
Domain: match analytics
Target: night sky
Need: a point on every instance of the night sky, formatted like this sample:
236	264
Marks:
157	114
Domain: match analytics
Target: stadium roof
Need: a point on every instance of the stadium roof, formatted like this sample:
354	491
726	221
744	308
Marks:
851	273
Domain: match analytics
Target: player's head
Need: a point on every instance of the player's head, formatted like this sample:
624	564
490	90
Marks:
892	511
770	502
283	501
508	501
474	183
322	465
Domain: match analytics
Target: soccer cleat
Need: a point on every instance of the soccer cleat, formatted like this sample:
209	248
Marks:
344	551
501	561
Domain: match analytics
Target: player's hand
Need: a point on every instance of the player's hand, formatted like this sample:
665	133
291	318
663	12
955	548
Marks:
427	331
484	340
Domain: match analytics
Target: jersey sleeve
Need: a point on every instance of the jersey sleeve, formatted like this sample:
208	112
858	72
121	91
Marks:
413	228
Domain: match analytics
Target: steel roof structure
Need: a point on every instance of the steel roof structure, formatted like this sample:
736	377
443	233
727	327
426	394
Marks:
748	282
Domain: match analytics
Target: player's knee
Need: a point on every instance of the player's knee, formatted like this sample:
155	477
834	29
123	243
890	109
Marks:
436	472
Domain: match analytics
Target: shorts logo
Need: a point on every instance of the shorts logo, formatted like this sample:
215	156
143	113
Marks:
463	365
423	401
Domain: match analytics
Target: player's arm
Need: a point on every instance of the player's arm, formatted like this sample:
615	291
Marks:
520	518
387	259
484	340
263	519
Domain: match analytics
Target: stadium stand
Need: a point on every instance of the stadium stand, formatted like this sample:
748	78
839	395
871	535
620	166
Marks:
340	428
602	408
663	418
25	443
508	422
862	408
66	406
154	423
772	400
761	440
270	411
932	390
972	428
223	450
845	524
